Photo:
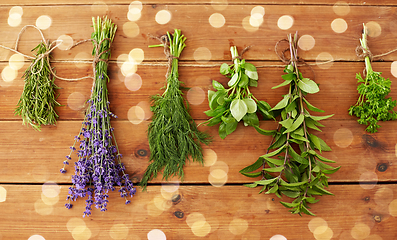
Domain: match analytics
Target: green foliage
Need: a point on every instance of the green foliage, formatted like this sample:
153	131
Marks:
228	106
294	168
38	100
372	104
173	135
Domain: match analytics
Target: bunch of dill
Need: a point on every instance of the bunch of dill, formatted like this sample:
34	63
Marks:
173	135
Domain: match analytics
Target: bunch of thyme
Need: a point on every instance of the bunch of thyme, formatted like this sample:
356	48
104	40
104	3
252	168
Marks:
173	135
98	168
38	100
230	106
372	105
295	169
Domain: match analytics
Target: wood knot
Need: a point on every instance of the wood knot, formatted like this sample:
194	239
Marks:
179	214
382	167
377	218
142	151
366	199
176	199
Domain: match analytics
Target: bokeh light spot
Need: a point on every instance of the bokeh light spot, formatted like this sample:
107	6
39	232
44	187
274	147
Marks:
343	137
339	25
43	22
324	60
393	208
130	29
76	101
137	55
194	217
217	20
14	20
99	7
306	42
285	22
201	228
373	29
66	42
393	69
195	95
360	231
341	8
202	54
163	17
3	194
219	5
118	231
133	82
238	226
210	157
16	10
246	23
16	61
156	234
135	7
9	74
278	237
368	180
36	237
136	115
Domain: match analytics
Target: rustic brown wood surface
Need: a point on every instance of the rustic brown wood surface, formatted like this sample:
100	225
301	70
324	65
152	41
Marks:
211	202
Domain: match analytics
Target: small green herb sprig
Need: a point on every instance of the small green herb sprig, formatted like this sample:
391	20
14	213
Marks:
37	103
295	168
372	105
173	135
229	106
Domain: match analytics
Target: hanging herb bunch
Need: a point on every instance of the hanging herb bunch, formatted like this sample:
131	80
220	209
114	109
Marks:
230	106
99	168
372	105
173	135
38	100
295	167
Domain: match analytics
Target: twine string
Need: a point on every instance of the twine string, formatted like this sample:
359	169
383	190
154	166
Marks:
242	53
165	42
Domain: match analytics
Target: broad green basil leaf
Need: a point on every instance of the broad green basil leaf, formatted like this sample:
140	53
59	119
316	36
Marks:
233	80
251	105
224	69
243	81
238	108
308	85
231	126
222	130
217	85
253	83
250	67
251	74
251	119
282	104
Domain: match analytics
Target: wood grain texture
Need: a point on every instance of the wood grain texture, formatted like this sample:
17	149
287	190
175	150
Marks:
30	156
205	205
242	214
311	20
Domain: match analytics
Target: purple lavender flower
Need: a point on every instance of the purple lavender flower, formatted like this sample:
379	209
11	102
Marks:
98	169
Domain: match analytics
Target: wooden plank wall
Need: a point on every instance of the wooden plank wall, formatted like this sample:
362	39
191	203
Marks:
33	192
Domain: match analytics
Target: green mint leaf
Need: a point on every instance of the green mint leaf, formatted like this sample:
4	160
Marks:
308	85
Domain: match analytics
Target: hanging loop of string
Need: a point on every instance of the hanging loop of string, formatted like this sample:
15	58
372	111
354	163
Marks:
298	61
165	42
45	57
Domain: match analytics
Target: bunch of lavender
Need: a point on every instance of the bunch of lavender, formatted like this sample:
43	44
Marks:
98	168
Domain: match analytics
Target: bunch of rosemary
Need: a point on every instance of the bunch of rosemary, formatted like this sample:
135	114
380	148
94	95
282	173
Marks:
229	106
372	105
98	168
38	100
173	135
294	169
